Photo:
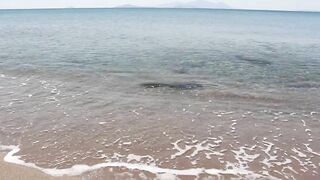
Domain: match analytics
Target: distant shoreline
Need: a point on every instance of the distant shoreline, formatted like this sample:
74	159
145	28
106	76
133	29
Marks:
230	9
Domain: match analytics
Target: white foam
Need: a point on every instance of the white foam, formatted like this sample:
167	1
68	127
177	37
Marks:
195	149
285	162
166	176
127	143
312	113
7	148
300	154
166	172
138	158
180	151
270	158
303	165
311	151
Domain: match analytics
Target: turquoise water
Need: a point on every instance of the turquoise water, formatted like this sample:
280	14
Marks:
185	92
250	47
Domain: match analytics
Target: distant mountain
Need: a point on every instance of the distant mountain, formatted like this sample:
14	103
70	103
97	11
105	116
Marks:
191	4
197	4
127	6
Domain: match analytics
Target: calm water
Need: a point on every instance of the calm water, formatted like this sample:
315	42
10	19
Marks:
168	92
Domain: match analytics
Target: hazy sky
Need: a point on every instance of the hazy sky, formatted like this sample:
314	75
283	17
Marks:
247	4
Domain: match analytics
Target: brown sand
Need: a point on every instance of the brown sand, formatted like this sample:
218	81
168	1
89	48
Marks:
9	171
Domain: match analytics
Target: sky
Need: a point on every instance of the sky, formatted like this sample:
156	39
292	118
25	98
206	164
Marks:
312	5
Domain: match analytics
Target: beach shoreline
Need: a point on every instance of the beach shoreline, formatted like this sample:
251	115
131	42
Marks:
159	94
10	171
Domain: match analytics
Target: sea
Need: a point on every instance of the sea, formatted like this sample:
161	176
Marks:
146	93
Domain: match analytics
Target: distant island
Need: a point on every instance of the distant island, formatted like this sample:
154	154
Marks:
127	6
192	4
197	4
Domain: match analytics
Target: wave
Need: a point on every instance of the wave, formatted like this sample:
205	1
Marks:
82	168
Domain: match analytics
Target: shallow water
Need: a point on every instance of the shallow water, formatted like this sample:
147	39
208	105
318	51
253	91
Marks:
190	93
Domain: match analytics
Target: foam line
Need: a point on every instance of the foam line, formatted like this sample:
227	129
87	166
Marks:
80	169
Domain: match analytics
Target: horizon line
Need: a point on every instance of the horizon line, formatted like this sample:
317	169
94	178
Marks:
141	7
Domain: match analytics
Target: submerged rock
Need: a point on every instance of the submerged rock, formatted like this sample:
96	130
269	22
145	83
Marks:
177	86
180	71
303	85
253	60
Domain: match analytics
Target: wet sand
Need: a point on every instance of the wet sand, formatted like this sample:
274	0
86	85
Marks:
59	123
11	171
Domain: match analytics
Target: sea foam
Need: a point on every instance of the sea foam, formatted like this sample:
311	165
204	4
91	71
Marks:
82	168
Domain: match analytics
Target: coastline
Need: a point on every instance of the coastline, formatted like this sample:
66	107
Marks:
160	97
10	163
18	172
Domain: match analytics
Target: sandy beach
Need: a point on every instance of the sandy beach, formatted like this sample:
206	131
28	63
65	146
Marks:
146	93
11	171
